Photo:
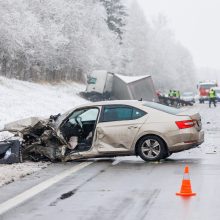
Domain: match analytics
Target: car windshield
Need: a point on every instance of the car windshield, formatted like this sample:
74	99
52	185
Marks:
163	108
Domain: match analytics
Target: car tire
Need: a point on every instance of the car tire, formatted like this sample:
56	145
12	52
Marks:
151	148
166	155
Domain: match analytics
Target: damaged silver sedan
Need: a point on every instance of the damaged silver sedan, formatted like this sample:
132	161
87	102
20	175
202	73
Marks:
104	129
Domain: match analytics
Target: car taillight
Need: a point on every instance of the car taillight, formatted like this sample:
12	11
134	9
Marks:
185	124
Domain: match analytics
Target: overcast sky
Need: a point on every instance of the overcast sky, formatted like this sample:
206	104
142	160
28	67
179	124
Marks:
196	24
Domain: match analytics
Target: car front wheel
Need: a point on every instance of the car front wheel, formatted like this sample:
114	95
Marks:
151	148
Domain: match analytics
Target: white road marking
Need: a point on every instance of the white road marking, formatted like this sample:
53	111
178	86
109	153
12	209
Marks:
13	202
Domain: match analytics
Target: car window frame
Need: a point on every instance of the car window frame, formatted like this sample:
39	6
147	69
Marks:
89	110
82	108
162	108
101	118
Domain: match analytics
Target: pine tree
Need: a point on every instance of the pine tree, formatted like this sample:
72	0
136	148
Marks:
136	43
116	15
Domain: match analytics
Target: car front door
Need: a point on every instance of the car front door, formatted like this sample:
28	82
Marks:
117	128
80	125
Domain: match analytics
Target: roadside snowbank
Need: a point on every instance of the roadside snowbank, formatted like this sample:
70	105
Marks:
20	100
13	172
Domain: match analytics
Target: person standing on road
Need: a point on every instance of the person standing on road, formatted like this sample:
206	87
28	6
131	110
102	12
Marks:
178	94
212	97
170	93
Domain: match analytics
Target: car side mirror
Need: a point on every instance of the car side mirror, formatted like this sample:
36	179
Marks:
54	117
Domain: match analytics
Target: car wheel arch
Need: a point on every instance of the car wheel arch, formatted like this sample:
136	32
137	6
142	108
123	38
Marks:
146	135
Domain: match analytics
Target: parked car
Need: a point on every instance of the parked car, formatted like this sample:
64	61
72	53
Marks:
111	128
217	91
188	97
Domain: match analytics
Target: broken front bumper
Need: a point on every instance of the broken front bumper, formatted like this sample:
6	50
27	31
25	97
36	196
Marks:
10	152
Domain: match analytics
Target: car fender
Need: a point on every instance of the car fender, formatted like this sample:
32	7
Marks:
149	132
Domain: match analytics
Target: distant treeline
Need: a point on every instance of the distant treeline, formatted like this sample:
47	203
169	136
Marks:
53	40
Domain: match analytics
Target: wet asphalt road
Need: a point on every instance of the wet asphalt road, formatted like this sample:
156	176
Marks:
127	187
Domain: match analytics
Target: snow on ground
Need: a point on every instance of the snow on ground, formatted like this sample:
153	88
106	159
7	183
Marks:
13	172
20	100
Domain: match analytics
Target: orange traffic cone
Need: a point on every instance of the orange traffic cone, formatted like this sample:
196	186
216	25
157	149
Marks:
186	185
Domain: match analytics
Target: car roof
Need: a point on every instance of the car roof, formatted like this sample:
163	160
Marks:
134	103
113	102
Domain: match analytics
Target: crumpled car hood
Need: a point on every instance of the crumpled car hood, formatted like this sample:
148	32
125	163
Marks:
20	125
39	137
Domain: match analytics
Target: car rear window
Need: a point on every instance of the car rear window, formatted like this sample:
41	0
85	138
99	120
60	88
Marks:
163	108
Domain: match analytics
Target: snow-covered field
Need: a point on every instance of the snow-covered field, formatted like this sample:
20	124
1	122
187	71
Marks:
21	99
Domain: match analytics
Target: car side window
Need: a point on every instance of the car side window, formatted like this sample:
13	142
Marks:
117	114
121	113
137	113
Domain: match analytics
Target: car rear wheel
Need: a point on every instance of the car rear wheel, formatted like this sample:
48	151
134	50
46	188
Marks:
167	154
151	148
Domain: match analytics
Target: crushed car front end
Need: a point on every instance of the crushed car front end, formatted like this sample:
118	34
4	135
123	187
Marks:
37	137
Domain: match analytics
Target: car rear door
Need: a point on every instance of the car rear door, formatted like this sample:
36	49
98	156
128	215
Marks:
117	128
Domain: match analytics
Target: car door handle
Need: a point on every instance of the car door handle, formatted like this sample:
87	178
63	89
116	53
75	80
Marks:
132	127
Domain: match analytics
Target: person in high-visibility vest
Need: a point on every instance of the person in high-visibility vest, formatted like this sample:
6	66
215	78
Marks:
178	94
174	93
170	94
212	97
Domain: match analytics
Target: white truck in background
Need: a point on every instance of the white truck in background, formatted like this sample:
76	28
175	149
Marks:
104	85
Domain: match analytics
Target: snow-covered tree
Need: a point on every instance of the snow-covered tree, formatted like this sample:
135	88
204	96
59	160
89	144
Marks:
152	49
172	65
51	40
136	42
116	15
55	39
